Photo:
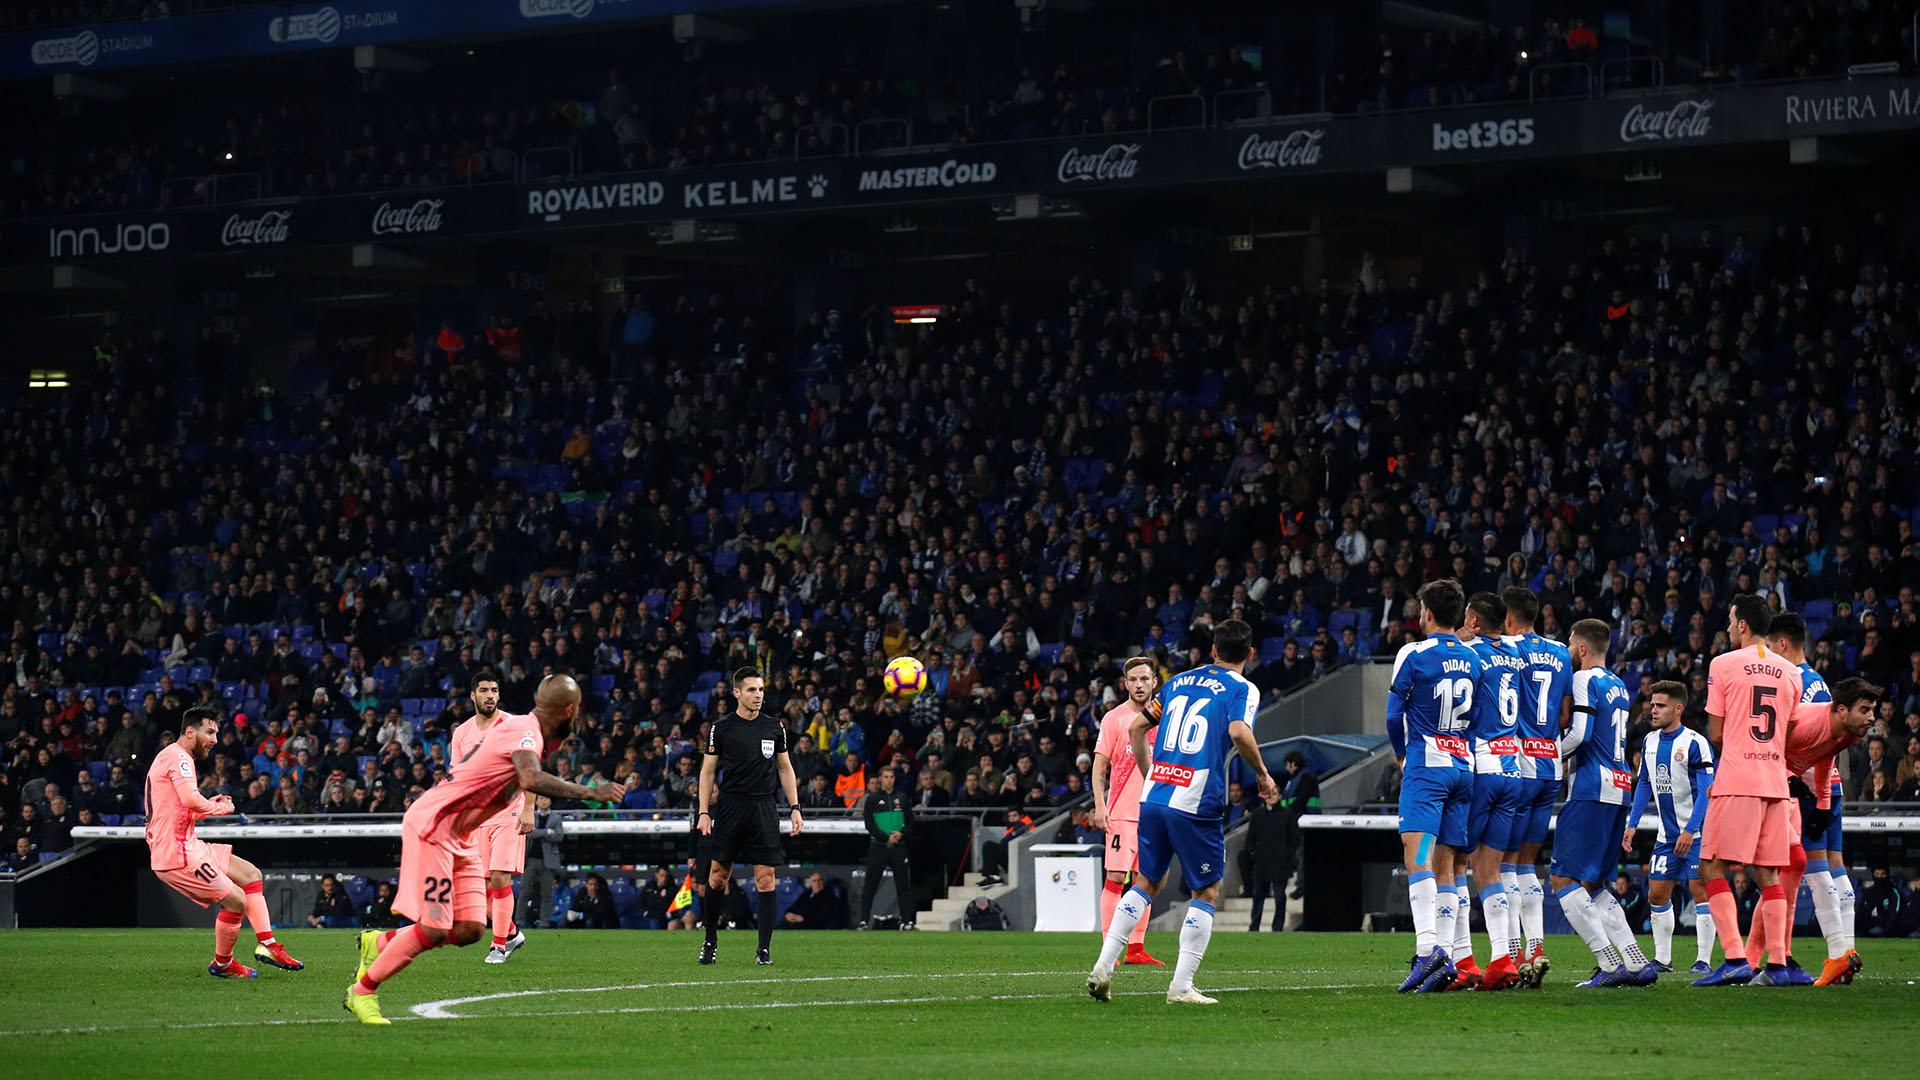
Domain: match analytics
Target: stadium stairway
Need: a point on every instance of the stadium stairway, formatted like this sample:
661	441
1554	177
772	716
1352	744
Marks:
947	912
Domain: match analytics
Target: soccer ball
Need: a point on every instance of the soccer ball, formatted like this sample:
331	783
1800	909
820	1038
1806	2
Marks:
904	677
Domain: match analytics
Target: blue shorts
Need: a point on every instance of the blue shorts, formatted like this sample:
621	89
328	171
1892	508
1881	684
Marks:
1663	866
1499	813
1437	801
1536	800
1201	844
1827	839
1586	845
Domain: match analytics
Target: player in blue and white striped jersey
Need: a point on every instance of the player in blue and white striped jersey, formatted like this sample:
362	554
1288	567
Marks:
1586	842
1496	824
1826	873
1429	711
1546	702
1676	767
1205	716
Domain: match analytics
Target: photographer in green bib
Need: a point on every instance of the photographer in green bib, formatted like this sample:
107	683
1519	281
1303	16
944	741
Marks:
888	817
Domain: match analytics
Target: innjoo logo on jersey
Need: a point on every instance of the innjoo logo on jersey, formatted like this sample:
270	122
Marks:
1295	150
421	217
1689	119
1165	773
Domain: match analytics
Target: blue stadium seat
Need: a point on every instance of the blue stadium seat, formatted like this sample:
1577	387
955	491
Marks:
700	698
101	770
707	680
725	560
1273	648
410	706
109	819
1050	654
134	819
626	904
602	685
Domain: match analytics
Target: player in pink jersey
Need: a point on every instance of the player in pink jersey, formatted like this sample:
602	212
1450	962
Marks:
1751	695
442	876
206	873
1820	730
501	839
1116	796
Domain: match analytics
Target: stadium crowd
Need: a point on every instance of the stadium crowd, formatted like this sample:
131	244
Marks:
1021	496
338	131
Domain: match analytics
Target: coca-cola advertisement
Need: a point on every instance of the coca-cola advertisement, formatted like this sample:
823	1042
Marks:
1676	122
1298	149
420	217
1120	161
255	230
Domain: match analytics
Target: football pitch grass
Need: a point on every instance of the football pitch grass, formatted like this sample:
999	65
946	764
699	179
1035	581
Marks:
138	1003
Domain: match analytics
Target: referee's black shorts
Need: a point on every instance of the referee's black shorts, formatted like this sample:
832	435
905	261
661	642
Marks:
745	831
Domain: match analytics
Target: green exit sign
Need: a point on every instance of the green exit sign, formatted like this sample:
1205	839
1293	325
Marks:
1240	242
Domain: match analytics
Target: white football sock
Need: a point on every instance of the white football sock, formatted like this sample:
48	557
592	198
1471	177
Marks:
1517	938
1826	907
1195	931
1133	906
1493	908
1577	906
1843	882
1463	920
1533	909
1704	933
1445	910
1423	898
1613	920
1663	934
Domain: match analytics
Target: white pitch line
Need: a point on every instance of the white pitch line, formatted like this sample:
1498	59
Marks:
415	1015
442	1009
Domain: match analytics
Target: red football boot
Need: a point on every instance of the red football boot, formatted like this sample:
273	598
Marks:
1137	954
1500	975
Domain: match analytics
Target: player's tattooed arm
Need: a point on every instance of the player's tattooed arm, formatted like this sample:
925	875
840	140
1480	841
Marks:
533	779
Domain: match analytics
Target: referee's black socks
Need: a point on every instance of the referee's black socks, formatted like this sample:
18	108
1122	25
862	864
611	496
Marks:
766	917
716	911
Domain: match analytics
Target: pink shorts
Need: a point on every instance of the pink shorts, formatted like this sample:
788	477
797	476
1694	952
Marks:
1123	847
1748	829
203	879
501	846
441	881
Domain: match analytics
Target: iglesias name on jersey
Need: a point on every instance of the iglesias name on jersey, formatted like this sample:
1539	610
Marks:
1813	685
1595	747
1676	768
1432	699
1547	682
1496	713
1190	753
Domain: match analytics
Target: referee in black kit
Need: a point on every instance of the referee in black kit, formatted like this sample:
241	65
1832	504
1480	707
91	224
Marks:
748	747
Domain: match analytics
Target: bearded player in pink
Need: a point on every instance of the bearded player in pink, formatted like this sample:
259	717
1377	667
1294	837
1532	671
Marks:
442	874
501	839
1116	795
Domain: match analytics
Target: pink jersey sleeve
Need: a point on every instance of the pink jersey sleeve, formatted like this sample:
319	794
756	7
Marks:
1123	781
174	802
1812	747
1717	673
484	783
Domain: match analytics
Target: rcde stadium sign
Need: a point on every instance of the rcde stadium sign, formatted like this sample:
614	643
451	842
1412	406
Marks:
1693	122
